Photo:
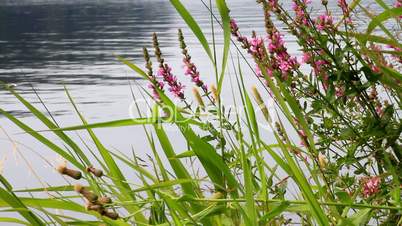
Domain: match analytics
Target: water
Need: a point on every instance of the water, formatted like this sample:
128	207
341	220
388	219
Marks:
51	44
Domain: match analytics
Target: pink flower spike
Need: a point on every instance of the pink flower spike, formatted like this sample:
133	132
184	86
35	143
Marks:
306	57
175	87
371	186
324	21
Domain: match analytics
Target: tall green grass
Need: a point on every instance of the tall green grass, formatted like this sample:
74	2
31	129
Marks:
246	178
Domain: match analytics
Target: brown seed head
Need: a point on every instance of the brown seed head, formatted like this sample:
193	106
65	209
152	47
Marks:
94	171
62	169
90	196
104	200
94	207
198	97
111	215
214	93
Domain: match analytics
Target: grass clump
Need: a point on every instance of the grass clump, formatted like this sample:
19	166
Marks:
336	154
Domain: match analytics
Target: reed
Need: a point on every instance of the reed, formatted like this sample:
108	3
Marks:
333	156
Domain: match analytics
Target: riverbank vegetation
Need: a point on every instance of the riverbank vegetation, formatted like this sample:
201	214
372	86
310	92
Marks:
332	155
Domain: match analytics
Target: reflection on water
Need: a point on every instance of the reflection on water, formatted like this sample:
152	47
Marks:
74	43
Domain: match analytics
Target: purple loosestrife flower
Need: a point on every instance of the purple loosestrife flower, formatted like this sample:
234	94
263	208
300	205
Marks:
165	72
273	4
345	9
398	50
276	46
324	22
236	33
256	47
398	4
154	83
189	67
371	186
299	7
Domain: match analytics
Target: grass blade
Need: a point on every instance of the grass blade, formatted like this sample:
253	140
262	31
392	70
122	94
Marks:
193	25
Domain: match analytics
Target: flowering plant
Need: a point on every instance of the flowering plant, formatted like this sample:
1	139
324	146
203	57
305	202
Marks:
333	156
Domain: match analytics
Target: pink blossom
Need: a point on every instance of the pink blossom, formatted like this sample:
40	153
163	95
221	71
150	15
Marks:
256	46
273	4
303	137
284	62
236	33
191	70
233	25
375	69
155	93
398	4
306	57
343	5
371	186
175	87
379	110
340	91
324	21
275	42
299	8
394	56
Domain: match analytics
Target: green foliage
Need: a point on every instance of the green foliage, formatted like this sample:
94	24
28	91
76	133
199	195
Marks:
343	109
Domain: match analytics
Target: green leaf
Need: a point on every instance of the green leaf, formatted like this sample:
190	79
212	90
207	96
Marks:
274	212
177	166
13	220
224	12
193	25
361	217
8	198
372	38
186	154
379	19
212	162
47	189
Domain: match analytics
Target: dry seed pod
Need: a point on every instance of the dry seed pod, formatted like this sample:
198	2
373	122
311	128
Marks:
214	93
95	207
198	97
94	171
261	104
217	195
322	160
111	215
104	200
62	169
90	196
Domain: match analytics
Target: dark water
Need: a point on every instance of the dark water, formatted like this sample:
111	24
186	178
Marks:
74	43
49	44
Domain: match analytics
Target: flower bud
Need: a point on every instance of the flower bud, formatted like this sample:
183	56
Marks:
104	200
95	207
324	2
261	103
111	215
62	169
94	171
198	97
322	160
90	196
214	93
217	195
